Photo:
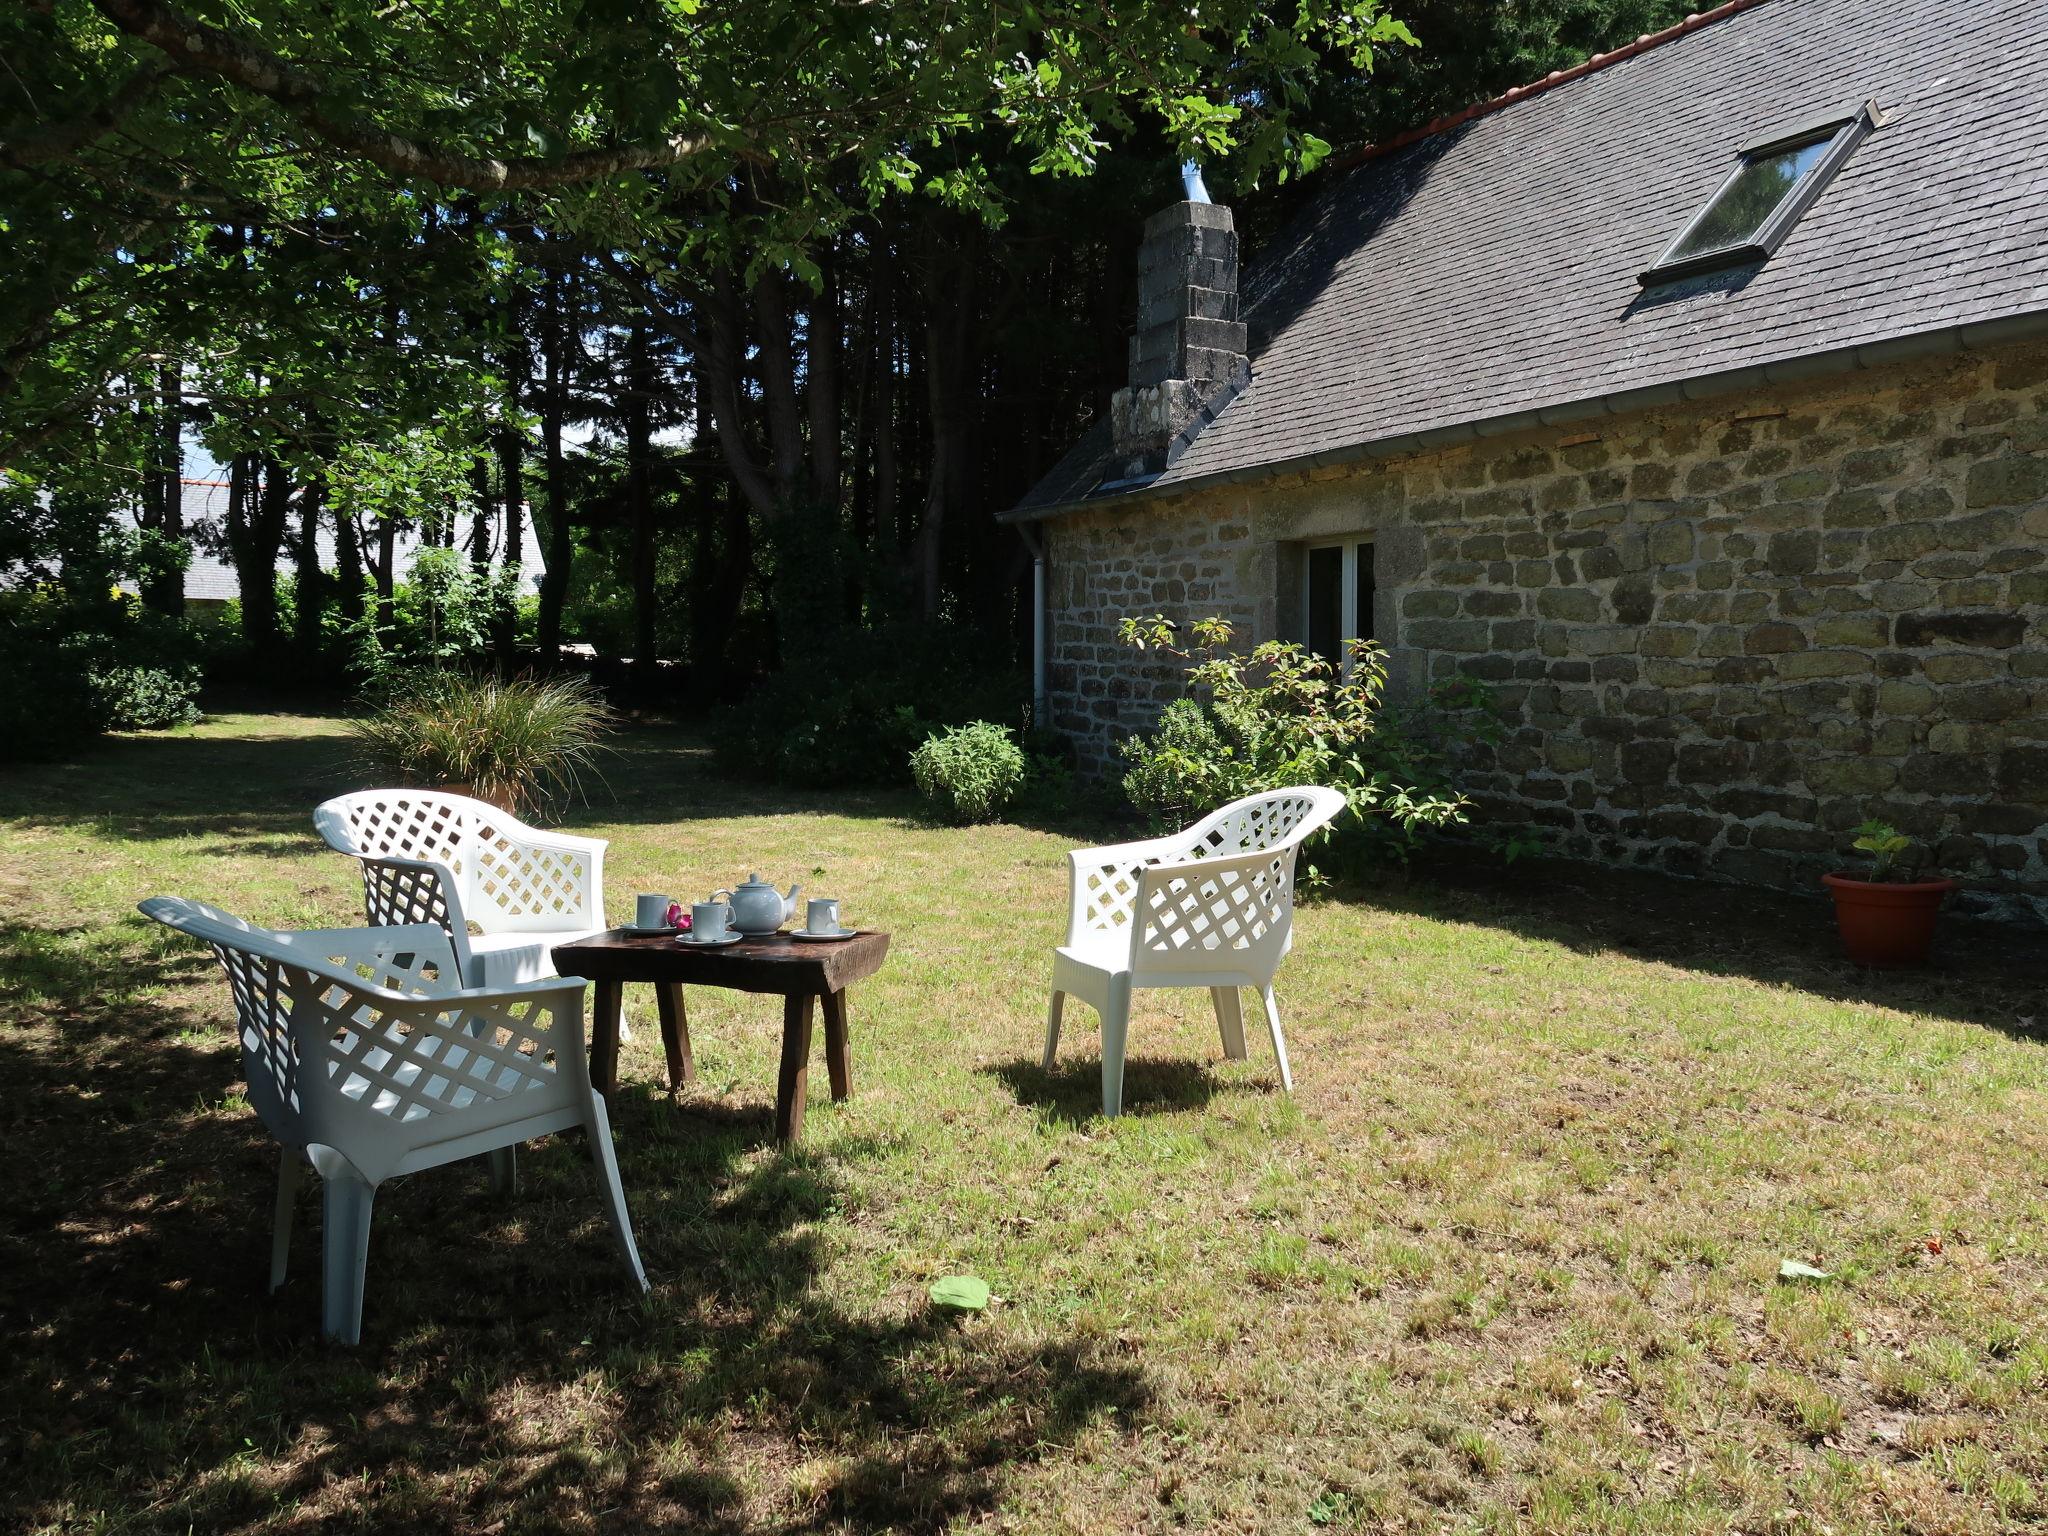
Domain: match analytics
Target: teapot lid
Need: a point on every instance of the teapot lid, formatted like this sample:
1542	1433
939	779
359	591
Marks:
754	880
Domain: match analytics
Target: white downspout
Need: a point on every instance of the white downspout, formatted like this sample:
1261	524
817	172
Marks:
1034	542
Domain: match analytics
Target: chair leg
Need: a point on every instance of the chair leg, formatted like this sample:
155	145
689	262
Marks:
1229	1021
291	1172
1052	1026
1116	1029
345	1202
613	1192
1279	1040
504	1165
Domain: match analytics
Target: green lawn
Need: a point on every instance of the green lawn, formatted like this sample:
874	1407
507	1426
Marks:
1507	1260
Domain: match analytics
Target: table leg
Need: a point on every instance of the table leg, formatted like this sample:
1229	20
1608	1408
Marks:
794	1078
604	1038
835	1043
675	1034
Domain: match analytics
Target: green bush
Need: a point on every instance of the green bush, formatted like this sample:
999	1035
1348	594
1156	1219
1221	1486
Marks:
969	773
856	713
519	743
146	698
1282	715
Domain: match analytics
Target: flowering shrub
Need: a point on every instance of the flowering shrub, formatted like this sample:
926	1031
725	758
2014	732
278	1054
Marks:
1282	715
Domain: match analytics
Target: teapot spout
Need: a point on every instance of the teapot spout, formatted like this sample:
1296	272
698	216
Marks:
789	901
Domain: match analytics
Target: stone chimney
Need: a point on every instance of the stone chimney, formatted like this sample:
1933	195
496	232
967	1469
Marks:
1189	350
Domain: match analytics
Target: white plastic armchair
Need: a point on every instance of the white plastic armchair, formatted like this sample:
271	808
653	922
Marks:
432	857
366	1058
1209	907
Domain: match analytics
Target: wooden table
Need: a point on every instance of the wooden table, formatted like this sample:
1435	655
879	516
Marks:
803	973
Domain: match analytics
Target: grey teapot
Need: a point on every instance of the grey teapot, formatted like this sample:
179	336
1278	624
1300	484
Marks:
756	907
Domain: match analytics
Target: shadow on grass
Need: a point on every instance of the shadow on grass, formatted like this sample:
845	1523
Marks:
509	1376
1071	1093
1983	973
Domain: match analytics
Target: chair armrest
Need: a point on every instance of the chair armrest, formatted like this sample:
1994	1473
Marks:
1102	883
1240	901
516	870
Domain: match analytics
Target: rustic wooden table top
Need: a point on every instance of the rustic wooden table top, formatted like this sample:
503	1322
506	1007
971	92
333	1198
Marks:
775	963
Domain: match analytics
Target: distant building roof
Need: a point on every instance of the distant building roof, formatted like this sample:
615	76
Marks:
210	578
1486	272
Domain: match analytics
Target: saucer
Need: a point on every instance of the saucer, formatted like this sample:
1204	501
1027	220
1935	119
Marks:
634	928
825	938
718	943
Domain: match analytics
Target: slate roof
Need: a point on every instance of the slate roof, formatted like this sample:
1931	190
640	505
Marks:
1490	269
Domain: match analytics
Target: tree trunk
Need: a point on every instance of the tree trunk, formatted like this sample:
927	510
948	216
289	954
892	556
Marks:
511	451
348	564
163	489
554	580
259	503
310	586
948	356
640	497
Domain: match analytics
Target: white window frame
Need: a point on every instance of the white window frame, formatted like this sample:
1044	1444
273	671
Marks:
1347	591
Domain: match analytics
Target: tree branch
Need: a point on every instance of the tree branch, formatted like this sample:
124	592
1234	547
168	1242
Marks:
196	46
63	141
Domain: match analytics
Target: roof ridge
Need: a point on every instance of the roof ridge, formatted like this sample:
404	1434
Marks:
1551	81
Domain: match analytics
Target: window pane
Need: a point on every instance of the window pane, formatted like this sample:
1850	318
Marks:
1364	593
1326	602
1750	198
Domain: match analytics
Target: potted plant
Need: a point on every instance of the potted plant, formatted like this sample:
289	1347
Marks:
1886	922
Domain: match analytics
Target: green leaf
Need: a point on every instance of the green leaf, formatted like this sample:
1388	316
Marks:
960	1293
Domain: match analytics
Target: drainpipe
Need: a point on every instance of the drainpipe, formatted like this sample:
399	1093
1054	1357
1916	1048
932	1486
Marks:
1035	542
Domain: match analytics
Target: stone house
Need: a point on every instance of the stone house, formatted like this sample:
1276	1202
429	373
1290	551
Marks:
1696	399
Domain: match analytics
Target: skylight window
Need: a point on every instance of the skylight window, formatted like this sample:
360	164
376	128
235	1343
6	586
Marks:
1775	180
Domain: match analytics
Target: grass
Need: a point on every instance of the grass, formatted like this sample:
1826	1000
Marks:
1506	1261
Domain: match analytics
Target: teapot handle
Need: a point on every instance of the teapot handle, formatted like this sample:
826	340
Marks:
724	896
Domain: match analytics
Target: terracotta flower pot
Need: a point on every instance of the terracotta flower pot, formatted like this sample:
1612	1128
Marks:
1887	923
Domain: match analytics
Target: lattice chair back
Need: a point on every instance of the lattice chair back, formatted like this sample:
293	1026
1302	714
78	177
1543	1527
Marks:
501	874
1214	917
361	1041
1280	818
402	824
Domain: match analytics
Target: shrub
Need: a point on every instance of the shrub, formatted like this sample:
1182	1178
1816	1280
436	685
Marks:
1283	715
856	713
969	773
145	698
519	743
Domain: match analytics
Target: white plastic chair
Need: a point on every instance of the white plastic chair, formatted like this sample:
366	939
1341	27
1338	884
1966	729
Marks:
1209	907
432	857
366	1058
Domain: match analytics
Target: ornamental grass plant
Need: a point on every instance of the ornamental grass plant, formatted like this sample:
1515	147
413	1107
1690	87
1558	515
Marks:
522	743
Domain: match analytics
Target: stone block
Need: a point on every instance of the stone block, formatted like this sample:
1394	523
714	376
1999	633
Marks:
1987	701
1863	629
1493	605
1463	635
1793	554
1671	542
1850	776
1990	631
1773	639
1854	509
1571	605
1603	639
1904	698
2009	481
1647	762
1806	664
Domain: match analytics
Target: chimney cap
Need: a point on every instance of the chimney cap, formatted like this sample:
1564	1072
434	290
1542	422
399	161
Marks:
1191	182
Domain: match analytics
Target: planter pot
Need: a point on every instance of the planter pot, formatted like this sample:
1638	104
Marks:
1886	924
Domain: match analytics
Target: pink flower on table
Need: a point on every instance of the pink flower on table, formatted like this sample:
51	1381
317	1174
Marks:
678	917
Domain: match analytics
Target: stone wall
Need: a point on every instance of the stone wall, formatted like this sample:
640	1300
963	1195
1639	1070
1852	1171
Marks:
1722	633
